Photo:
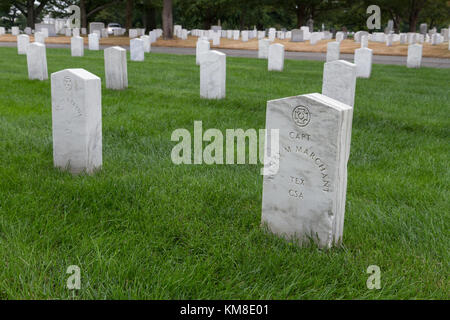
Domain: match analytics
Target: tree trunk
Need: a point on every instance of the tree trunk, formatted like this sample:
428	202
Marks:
301	16
167	19
83	14
30	14
129	15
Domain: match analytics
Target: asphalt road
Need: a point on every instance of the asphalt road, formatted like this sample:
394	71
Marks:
378	59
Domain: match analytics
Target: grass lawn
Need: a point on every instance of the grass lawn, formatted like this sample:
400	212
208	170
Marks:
144	228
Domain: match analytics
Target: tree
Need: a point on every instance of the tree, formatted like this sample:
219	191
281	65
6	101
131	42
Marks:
167	19
30	10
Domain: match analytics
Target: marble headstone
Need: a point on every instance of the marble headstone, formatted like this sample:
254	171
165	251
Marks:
37	61
333	51
93	42
202	47
414	56
147	43
339	81
276	57
263	48
22	43
39	37
136	50
116	74
304	199
363	62
77	46
76	120
213	75
297	35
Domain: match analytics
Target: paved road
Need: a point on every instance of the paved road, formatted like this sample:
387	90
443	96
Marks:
378	59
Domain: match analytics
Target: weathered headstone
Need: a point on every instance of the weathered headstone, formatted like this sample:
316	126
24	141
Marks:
276	57
93	42
263	48
339	81
202	47
136	50
363	62
213	75
96	26
116	74
414	56
76	120
22	43
77	46
28	31
304	199
333	51
37	61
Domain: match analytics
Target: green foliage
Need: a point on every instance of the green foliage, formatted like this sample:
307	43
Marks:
144	228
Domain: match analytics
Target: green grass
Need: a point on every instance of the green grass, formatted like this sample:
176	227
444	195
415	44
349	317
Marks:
144	228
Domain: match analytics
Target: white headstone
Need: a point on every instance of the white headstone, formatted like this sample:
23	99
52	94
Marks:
339	81
133	33
276	57
39	37
364	41
216	38
263	48
305	198
77	46
236	34
272	33
2	31
363	62
93	42
333	51
315	37
136	50
116	74
22	43
76	120
389	39
414	56
339	36
68	32
244	35
213	75
202	47
147	43
37	61
15	31
76	32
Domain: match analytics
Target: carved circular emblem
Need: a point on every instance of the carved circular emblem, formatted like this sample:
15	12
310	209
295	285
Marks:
68	83
301	116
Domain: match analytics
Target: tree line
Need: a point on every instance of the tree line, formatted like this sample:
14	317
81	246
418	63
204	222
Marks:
232	14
